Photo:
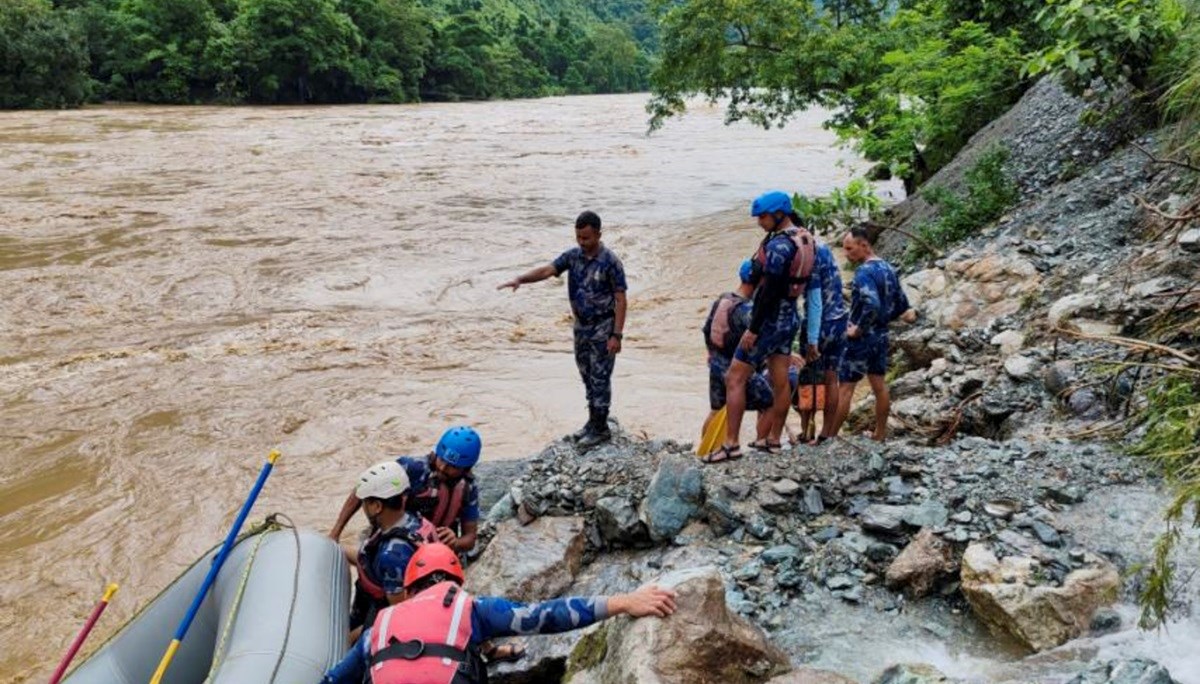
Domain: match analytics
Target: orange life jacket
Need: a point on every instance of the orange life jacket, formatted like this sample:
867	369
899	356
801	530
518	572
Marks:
427	640
802	262
443	504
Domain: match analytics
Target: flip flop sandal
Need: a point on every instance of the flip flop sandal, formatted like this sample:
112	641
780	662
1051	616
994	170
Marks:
723	454
765	446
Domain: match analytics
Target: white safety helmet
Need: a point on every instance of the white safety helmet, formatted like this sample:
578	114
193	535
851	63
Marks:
382	481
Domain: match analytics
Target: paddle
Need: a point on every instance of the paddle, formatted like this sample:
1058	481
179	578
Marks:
713	435
83	633
212	571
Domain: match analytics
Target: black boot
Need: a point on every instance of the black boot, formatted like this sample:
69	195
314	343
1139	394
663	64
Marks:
600	432
587	428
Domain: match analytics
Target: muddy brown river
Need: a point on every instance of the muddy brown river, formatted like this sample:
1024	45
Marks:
187	288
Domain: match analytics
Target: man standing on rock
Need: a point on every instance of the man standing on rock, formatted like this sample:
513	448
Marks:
596	287
876	300
434	635
781	269
727	321
833	333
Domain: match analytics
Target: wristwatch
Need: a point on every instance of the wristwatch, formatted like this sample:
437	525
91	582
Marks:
618	335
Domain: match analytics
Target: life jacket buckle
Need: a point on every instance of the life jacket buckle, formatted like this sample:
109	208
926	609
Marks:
409	650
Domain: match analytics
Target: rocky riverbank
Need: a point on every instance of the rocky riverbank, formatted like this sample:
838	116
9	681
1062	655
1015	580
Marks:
990	527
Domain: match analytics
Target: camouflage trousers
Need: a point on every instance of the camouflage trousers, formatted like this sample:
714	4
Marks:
595	363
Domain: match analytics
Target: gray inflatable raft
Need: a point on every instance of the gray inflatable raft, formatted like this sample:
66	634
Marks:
315	622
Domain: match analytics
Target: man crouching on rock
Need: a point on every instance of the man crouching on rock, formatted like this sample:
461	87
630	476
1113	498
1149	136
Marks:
876	300
434	635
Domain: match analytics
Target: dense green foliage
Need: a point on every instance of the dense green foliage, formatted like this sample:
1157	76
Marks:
989	193
839	209
324	51
908	81
41	56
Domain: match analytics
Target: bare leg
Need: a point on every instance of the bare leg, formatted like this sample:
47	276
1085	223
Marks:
844	396
762	428
777	372
735	400
882	406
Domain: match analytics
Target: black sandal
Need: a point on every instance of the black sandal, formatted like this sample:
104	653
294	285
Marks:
764	445
818	441
723	454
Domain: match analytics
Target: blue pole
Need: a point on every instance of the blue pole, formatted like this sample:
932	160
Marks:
212	571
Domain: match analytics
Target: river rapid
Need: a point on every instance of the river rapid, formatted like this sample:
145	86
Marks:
187	288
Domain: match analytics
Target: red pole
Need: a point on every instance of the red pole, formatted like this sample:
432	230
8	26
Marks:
83	633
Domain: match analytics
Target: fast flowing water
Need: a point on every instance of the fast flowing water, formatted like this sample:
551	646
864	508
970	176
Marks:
185	288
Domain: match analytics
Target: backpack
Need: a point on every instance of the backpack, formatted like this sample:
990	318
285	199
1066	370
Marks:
719	332
803	260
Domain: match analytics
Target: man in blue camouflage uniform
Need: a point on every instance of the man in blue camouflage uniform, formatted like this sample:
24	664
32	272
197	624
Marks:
772	327
876	300
832	346
596	287
759	396
383	555
499	617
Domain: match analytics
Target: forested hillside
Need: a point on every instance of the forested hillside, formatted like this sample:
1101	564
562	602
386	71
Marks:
60	53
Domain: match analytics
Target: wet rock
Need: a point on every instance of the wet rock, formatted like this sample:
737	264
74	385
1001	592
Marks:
738	491
1020	367
808	675
780	554
1071	306
812	503
665	651
920	565
618	520
928	514
788	578
786	487
1105	620
1133	671
912	674
884	519
1189	241
1010	596
1009	341
1086	403
748	572
721	517
839	582
1046	534
531	562
1059	377
502	510
1060	493
675	495
771	502
759	528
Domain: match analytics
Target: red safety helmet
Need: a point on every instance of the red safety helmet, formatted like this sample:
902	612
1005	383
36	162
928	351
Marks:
431	558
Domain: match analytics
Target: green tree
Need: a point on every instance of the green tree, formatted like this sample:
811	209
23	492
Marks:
396	39
157	50
292	51
43	62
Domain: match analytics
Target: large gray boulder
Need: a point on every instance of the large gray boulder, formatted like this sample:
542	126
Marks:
529	563
674	496
704	642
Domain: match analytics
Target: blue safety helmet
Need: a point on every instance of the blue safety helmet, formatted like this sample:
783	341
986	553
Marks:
746	272
459	447
771	202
